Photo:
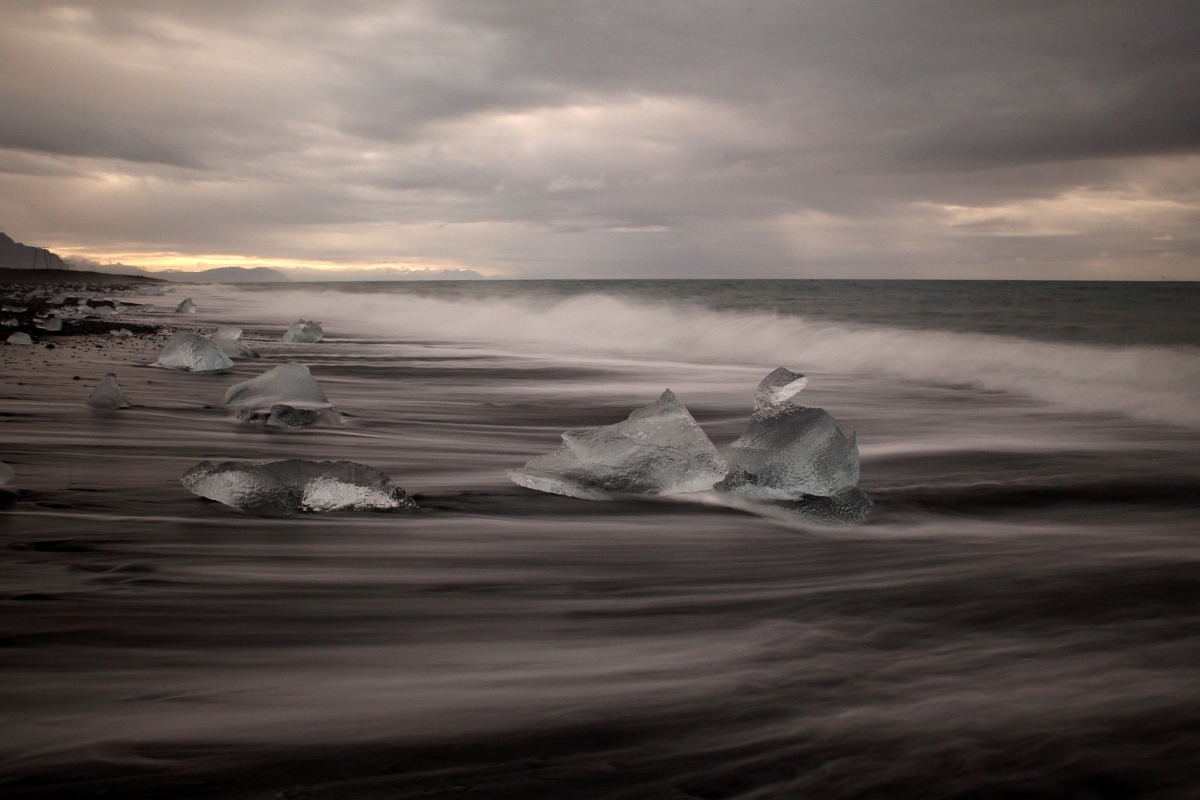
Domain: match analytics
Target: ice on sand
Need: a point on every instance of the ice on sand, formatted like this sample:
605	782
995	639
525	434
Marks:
659	450
124	333
789	451
186	307
51	324
295	486
6	473
227	338
19	338
287	397
193	353
108	395
304	331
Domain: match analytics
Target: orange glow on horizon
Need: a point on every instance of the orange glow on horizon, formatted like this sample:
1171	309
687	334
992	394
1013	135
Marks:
155	261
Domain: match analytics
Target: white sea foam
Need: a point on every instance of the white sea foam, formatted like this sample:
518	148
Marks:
1146	382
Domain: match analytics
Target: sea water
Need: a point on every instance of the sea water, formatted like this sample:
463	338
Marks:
1018	616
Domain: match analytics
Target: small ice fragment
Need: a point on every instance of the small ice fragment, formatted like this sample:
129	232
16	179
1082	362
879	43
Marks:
780	385
289	383
108	395
286	397
186	307
6	473
659	450
227	339
304	331
789	451
51	324
19	338
58	299
12	323
124	333
193	353
15	309
295	486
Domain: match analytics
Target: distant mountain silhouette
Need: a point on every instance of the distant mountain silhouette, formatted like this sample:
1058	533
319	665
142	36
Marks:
222	275
14	255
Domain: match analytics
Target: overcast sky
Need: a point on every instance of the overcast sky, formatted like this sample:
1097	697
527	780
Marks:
609	139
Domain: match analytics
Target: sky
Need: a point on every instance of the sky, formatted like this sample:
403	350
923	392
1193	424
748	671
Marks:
565	139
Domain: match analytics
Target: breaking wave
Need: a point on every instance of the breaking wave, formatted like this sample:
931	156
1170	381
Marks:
1155	383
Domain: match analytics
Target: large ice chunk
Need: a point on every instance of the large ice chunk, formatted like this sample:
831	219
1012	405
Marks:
19	337
193	353
789	451
285	397
228	339
304	331
108	395
295	486
186	307
659	450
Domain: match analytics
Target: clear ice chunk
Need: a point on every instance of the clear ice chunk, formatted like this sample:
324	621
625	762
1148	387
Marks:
296	486
304	331
659	450
108	395
19	337
6	473
51	324
228	339
287	396
124	333
787	451
186	307
193	353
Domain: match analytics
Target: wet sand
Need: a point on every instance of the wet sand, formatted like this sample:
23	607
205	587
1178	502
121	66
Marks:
1016	618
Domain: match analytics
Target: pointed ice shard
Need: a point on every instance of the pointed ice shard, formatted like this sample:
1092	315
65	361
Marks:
284	397
193	353
659	450
789	451
108	395
186	307
295	486
304	331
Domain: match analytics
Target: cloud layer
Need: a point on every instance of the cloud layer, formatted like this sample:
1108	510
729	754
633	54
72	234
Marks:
552	139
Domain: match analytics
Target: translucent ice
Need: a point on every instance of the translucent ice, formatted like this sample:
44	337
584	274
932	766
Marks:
51	324
285	397
294	486
193	353
19	338
108	394
227	338
789	451
6	473
659	450
186	307
304	331
12	322
124	333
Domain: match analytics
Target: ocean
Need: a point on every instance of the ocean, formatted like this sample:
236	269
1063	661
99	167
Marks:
1019	616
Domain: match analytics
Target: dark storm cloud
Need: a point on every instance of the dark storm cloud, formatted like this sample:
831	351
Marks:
612	138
